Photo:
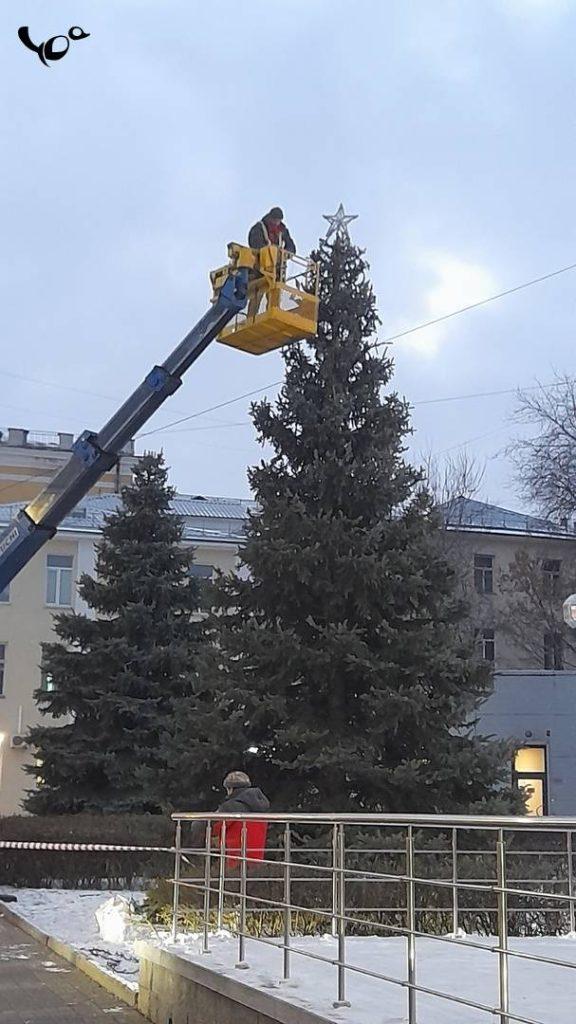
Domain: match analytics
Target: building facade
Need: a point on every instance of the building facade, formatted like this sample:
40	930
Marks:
538	710
29	460
515	571
47	585
534	699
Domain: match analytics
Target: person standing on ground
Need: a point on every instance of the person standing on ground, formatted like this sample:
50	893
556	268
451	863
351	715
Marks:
241	798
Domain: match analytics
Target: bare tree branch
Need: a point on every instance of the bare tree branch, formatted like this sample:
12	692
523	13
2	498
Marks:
533	605
457	477
545	462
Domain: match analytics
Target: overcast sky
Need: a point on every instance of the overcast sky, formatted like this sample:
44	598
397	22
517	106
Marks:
448	127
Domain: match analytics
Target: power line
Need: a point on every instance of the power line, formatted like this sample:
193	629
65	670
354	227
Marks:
476	394
472	440
395	337
491	394
212	426
423	401
475	305
53	384
212	408
378	344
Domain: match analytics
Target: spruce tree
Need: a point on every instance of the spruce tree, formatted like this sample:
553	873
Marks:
338	676
115	677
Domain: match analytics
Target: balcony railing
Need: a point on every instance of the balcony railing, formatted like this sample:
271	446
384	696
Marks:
473	882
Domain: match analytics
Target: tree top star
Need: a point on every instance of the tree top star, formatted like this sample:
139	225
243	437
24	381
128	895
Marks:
339	222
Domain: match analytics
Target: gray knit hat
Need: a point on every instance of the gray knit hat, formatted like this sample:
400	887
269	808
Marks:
236	780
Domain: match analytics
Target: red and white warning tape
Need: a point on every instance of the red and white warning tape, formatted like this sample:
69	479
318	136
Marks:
10	844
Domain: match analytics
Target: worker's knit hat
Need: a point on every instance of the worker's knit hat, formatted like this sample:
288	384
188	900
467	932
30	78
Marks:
237	780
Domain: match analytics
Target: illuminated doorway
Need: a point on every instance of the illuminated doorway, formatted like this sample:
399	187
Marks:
531	776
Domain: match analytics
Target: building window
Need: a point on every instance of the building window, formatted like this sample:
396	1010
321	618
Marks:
5	595
47	684
484	573
553	651
530	775
551	569
485	639
2	667
59	580
201	572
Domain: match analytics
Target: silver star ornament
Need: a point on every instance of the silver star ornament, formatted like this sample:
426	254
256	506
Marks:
339	222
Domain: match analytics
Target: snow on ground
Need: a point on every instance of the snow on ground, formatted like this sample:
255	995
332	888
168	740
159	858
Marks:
539	992
69	915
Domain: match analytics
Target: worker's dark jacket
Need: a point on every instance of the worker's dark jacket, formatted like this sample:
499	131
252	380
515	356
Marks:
258	237
248	799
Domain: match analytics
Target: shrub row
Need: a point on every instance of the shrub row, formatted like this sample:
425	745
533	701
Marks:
85	869
378	905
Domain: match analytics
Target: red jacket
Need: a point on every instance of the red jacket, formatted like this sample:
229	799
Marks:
249	800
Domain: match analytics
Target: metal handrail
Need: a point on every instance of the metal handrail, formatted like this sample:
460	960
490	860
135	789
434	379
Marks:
485	823
502	886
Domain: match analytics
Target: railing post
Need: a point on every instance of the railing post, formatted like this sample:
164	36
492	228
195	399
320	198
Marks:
176	896
243	889
340	871
334	880
455	907
503	985
570	850
411	922
222	877
207	884
287	900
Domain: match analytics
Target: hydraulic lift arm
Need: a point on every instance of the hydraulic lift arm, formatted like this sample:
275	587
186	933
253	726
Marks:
94	454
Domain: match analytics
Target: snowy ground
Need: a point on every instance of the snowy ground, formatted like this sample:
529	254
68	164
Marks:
539	992
70	916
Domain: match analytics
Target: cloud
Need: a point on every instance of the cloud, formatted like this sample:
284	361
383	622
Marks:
456	283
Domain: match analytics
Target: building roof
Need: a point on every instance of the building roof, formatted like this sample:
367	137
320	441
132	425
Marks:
468	514
205	518
224	519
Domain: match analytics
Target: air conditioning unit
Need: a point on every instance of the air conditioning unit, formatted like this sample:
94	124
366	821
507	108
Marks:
19	742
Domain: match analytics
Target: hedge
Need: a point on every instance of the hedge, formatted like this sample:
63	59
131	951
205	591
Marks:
85	869
378	905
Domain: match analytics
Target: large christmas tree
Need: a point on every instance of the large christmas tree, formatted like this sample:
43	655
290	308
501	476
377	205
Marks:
338	677
115	677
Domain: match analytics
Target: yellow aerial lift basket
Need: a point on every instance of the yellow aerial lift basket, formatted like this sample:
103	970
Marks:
282	299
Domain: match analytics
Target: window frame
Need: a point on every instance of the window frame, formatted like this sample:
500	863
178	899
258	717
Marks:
3	651
199	575
553	643
527	776
47	684
59	570
483	574
483	640
551	575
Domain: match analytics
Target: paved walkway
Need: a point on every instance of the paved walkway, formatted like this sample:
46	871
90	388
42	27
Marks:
37	987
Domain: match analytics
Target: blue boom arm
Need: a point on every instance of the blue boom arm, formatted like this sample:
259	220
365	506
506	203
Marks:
94	454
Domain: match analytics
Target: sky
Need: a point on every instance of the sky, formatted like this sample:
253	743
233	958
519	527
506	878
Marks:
449	128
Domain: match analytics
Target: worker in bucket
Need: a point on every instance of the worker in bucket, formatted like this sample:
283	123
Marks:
271	230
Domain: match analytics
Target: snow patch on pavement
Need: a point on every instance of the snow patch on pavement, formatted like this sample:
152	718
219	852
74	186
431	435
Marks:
70	915
540	992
